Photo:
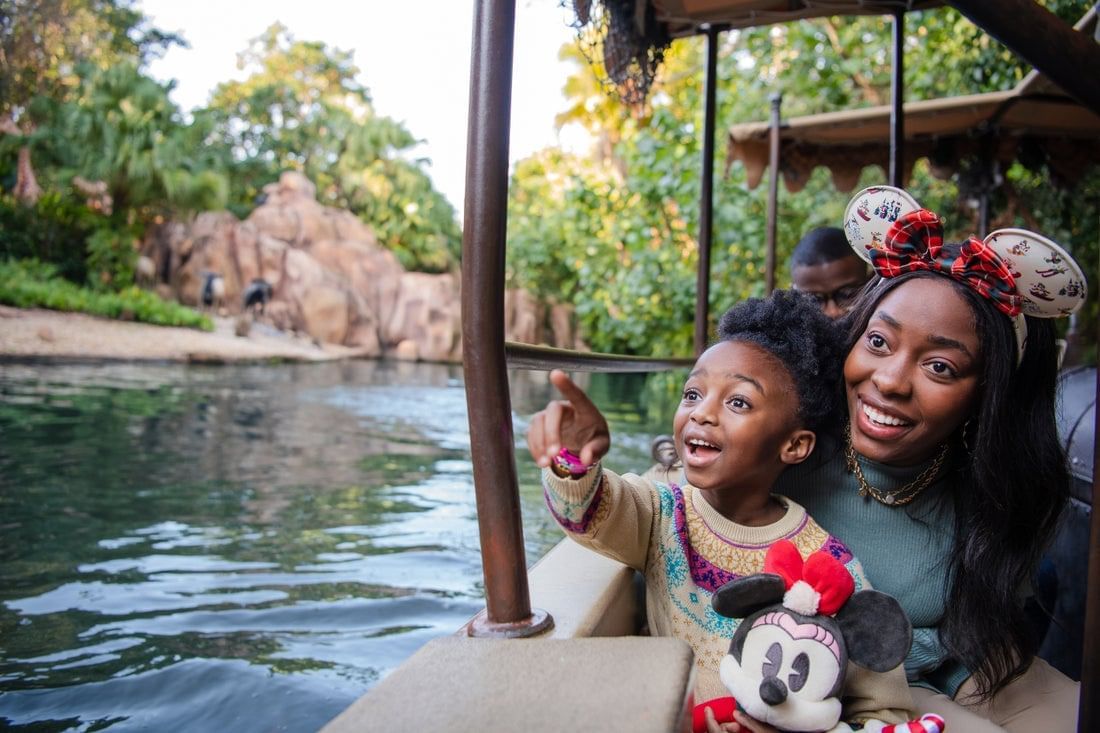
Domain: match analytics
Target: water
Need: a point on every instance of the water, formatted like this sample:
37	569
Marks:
245	548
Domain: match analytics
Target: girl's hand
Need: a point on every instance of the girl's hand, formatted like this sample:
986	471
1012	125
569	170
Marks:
573	423
744	724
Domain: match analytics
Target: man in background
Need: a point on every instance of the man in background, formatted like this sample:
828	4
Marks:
824	266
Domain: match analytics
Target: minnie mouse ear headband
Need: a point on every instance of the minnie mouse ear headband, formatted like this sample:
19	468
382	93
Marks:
1018	271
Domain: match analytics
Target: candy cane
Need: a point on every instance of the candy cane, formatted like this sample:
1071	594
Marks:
928	723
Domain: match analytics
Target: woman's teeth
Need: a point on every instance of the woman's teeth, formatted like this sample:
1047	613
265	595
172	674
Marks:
881	418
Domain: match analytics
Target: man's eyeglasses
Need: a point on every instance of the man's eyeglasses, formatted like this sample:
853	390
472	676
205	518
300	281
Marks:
843	297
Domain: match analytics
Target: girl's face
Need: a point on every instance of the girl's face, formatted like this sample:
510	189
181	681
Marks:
912	376
737	419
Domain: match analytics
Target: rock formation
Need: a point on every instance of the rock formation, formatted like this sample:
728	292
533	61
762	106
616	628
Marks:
332	280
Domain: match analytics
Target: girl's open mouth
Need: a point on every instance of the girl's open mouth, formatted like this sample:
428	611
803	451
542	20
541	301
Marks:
699	452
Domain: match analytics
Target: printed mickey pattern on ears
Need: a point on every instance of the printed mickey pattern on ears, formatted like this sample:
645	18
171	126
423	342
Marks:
1048	280
871	214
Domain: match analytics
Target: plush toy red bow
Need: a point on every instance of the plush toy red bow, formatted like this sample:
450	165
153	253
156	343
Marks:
915	242
828	581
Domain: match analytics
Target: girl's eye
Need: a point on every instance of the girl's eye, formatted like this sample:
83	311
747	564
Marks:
738	403
876	341
691	394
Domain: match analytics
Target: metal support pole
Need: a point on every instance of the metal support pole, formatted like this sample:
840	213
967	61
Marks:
706	195
773	192
508	610
897	108
983	212
1088	715
1043	40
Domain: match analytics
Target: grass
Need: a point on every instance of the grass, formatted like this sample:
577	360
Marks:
33	284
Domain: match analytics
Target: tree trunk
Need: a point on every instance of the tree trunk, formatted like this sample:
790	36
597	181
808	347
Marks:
27	189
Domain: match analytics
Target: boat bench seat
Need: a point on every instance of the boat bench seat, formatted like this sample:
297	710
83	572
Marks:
630	684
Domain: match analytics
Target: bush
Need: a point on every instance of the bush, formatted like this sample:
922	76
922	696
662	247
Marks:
34	284
54	230
111	259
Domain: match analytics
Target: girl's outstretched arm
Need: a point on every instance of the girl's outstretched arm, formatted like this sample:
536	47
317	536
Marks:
573	423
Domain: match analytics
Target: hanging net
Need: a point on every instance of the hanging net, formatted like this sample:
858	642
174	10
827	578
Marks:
624	38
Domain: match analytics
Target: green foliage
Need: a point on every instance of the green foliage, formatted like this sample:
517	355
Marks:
54	230
111	258
123	129
302	108
616	234
33	284
42	42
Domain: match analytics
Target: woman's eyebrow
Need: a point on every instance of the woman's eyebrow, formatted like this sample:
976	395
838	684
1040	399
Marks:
934	339
950	343
884	316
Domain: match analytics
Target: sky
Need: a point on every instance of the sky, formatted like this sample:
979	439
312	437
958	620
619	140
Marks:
413	56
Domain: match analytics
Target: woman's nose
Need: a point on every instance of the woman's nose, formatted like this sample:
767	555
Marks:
892	377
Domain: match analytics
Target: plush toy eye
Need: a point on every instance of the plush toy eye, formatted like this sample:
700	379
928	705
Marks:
800	671
772	660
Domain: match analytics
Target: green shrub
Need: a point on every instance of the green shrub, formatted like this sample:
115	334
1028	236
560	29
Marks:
111	259
34	284
55	230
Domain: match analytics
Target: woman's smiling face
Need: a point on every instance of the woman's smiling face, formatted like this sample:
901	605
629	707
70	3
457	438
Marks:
912	377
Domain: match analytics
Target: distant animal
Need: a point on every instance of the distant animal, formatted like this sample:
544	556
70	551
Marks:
256	295
145	273
212	294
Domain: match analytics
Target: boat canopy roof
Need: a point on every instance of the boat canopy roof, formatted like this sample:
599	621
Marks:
686	17
1036	117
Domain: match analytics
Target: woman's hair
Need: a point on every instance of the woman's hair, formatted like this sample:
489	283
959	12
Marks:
791	327
1013	486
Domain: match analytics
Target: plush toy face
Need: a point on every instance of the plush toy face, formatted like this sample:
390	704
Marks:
786	669
802	623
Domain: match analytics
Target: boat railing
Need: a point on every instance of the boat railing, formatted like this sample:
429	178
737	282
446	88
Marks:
528	356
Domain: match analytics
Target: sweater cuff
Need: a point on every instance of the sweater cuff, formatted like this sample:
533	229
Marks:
573	491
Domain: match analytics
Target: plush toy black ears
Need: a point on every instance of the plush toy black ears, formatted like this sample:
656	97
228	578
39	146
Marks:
876	630
747	595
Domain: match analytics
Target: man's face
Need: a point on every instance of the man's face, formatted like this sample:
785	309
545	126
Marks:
834	285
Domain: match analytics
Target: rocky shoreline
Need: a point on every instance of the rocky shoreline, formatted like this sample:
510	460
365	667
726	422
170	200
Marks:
37	334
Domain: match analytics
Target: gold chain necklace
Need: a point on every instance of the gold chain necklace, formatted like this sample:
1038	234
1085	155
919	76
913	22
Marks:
906	493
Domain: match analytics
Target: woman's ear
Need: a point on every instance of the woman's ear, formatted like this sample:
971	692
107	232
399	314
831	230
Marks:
798	446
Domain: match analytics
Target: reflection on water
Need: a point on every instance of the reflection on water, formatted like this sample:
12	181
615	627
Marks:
243	548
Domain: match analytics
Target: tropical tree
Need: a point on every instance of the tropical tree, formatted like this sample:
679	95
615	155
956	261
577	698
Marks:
44	42
303	108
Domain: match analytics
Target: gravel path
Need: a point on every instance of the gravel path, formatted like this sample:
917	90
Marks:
35	333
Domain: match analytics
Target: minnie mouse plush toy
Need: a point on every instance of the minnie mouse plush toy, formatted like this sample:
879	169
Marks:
801	625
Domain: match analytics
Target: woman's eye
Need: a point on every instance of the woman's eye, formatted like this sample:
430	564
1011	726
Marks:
875	341
941	369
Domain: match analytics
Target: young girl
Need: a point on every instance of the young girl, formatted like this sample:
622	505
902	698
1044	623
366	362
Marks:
749	410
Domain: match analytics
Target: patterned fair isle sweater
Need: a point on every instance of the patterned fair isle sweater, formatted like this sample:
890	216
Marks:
686	551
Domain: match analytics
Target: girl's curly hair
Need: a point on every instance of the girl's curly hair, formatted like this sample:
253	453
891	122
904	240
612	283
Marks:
790	326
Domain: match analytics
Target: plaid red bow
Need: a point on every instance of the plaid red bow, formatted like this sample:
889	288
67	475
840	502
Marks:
915	242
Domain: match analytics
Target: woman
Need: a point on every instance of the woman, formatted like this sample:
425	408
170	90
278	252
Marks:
948	478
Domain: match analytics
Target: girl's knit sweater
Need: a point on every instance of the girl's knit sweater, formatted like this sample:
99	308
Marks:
687	550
